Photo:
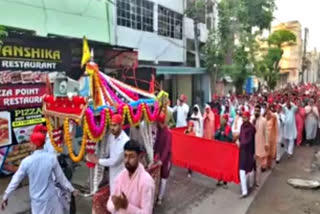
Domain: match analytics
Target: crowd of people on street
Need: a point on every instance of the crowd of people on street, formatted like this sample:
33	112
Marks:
263	125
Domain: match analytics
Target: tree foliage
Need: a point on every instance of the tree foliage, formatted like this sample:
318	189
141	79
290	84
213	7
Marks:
3	34
236	21
269	68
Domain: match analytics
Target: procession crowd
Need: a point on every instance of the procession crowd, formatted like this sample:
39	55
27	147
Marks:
263	126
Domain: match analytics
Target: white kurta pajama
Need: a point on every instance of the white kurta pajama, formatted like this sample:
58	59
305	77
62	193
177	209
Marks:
290	129
39	167
311	122
116	156
280	119
182	114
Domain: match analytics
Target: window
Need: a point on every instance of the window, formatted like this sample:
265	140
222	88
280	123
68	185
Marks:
169	23
136	14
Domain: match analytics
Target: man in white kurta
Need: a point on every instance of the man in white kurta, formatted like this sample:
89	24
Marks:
290	129
281	118
311	122
182	110
116	140
39	167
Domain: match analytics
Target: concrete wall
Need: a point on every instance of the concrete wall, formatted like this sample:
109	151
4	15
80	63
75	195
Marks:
184	86
151	46
60	17
189	32
292	56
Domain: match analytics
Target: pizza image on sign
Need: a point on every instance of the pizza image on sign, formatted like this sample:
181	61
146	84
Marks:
5	129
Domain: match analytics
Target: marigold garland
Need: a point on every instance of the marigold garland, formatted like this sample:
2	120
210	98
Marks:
96	130
89	133
68	141
49	128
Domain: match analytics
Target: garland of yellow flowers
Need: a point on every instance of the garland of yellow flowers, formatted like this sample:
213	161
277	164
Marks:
89	133
68	141
126	113
49	128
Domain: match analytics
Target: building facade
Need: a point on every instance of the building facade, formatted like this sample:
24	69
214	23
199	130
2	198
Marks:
291	62
158	32
60	18
312	72
164	39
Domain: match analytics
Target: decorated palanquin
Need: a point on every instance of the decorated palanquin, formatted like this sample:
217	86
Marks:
93	113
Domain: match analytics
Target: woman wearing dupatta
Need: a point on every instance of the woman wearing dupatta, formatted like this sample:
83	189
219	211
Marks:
311	122
300	117
197	119
208	123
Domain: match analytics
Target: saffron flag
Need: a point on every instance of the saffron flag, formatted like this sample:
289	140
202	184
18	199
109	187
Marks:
85	52
212	158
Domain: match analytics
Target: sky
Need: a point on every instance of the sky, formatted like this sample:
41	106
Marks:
307	12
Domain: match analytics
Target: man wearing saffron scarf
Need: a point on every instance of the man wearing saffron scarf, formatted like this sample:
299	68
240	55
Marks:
116	141
246	156
272	136
39	167
134	188
208	123
261	141
162	150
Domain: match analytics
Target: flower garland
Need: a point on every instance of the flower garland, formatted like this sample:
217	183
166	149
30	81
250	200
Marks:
152	116
137	90
118	90
112	94
129	93
97	131
50	129
97	89
68	141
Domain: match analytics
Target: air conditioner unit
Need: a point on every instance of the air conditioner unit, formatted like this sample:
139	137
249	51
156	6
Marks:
65	86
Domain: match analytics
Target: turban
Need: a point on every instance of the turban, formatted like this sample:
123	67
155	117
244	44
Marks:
40	128
38	139
161	118
226	117
246	114
191	124
117	118
183	98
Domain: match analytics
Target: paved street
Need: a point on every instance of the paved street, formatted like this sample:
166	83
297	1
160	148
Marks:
276	196
198	194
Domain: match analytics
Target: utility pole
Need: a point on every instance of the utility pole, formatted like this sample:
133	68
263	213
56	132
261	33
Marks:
304	57
196	38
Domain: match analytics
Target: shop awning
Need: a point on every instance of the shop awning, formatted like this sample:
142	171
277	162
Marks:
177	70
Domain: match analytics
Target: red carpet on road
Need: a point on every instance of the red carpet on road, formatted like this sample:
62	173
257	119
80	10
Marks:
212	158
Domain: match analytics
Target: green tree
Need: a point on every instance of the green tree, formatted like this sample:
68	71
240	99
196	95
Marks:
235	38
269	68
3	34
